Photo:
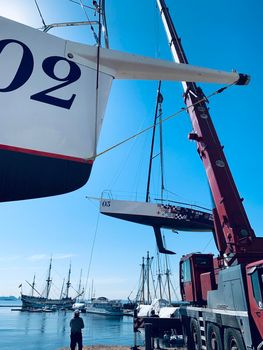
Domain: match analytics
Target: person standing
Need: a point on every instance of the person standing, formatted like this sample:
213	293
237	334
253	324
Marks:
76	325
155	331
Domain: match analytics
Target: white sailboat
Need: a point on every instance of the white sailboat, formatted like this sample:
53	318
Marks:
53	96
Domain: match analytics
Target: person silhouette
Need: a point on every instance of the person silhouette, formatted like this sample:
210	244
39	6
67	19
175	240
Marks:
76	325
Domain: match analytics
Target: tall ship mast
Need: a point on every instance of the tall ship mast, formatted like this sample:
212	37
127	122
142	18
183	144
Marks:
68	284
49	280
43	300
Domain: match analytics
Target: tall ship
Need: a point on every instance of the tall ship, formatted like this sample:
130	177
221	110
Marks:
42	301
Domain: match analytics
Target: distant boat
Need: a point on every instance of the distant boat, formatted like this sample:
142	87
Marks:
81	306
104	306
42	301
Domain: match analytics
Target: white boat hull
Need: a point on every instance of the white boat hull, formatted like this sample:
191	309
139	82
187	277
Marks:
103	306
52	113
158	215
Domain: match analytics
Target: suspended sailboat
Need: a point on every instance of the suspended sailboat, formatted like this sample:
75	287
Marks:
159	215
165	214
53	95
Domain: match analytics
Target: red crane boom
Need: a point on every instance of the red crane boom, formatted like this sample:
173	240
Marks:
233	233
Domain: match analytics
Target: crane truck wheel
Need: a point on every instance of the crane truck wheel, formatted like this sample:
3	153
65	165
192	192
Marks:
195	335
213	337
233	340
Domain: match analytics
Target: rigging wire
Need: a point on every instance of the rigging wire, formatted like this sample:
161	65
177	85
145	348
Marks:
183	198
126	159
40	14
181	110
207	244
97	80
98	9
139	176
91	27
91	252
76	2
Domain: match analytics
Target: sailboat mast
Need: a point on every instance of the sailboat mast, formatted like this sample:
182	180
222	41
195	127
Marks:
159	278
140	293
68	282
143	281
91	290
147	199
79	288
148	269
62	289
167	273
33	285
49	279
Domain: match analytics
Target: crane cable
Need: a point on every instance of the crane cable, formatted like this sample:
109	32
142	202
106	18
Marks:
97	76
91	252
181	110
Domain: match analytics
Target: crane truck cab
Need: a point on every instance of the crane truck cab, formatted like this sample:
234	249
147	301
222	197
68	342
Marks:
254	273
196	277
226	310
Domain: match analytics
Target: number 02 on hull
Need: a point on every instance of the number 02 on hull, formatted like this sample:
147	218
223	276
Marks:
47	143
51	112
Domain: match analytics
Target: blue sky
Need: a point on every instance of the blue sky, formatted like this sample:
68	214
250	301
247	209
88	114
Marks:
225	35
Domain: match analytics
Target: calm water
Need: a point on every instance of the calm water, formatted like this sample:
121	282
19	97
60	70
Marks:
50	331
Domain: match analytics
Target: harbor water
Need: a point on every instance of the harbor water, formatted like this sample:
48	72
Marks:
50	331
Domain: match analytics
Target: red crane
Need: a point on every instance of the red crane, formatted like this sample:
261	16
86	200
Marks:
225	294
234	236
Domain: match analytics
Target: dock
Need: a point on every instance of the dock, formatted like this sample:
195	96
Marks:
116	347
102	347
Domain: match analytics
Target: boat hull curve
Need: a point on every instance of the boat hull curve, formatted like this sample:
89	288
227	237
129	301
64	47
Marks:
159	215
27	176
32	302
